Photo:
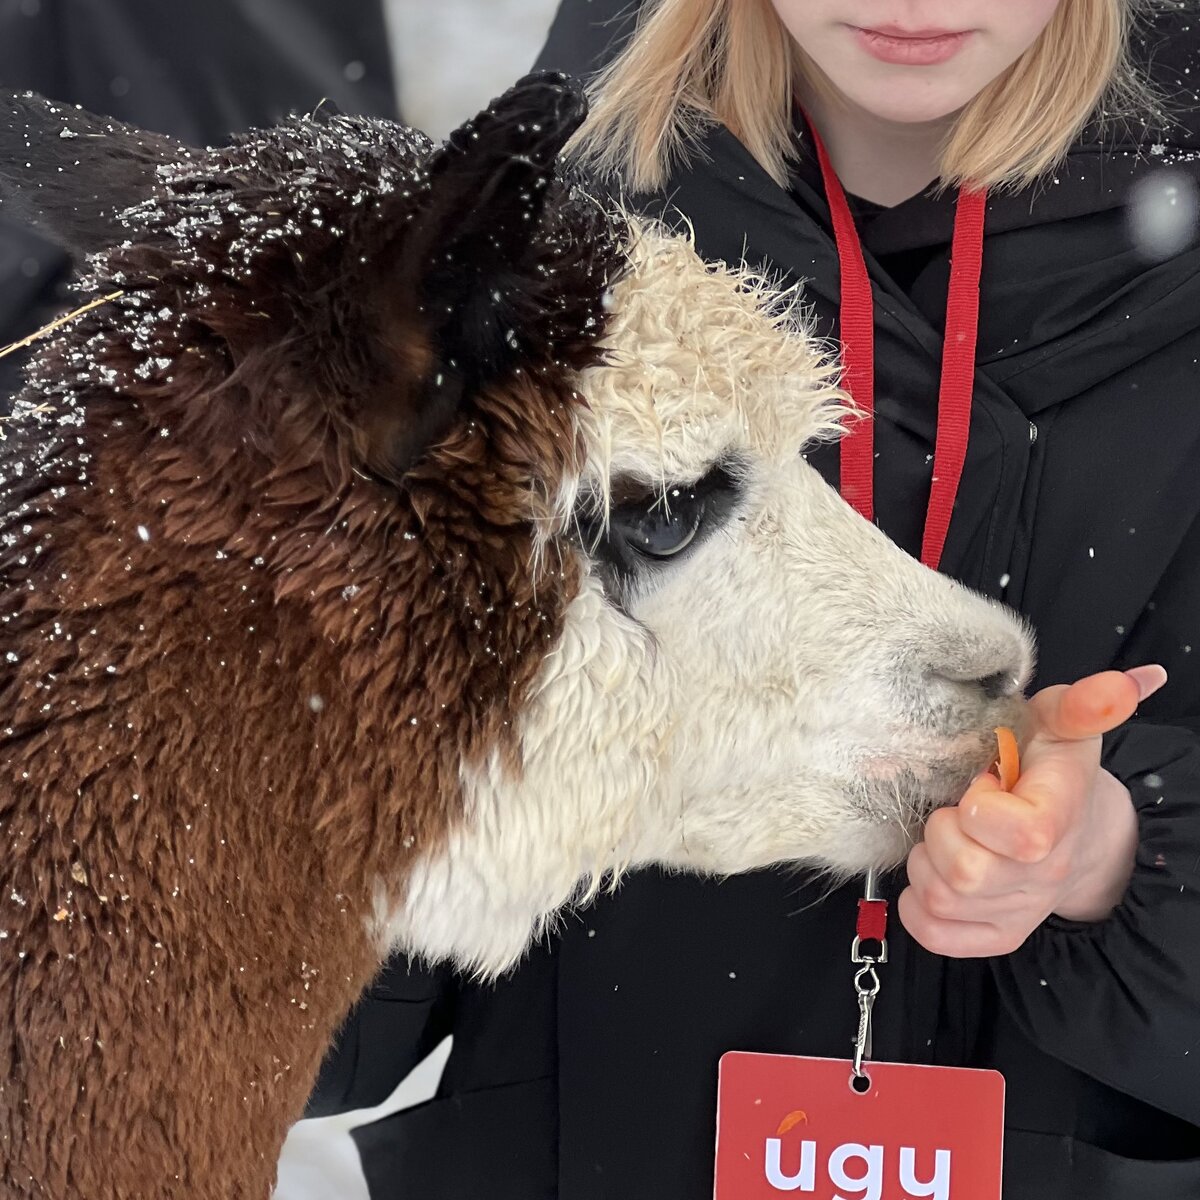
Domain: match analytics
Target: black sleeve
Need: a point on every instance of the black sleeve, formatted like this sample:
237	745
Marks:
587	34
397	1022
1120	999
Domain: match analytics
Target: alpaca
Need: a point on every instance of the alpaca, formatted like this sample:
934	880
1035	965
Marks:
401	544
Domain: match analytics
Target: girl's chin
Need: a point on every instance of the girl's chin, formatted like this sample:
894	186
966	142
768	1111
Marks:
900	102
897	109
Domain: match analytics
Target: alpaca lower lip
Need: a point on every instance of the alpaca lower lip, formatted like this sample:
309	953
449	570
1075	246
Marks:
912	50
907	792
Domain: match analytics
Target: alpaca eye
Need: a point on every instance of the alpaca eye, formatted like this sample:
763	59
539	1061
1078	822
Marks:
668	526
647	527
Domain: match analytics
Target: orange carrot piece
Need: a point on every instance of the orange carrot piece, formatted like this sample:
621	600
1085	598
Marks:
798	1117
1009	760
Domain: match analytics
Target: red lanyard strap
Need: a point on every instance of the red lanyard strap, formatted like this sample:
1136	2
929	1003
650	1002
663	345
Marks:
958	371
857	321
858	356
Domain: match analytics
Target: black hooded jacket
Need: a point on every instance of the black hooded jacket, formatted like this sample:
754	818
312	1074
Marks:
590	1072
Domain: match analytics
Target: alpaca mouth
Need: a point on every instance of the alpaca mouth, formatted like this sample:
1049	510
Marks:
904	791
931	767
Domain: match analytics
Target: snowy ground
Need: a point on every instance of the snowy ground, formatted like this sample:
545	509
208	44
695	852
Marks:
319	1160
452	57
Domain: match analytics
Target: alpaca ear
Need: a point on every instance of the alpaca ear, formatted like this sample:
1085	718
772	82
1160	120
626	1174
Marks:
70	173
488	190
468	258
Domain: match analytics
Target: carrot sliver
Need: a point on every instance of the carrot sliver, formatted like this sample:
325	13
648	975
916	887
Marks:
798	1117
1009	761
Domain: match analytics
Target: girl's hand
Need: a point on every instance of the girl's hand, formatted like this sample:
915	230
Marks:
1063	841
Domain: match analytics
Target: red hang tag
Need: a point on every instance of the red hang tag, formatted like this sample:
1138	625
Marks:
789	1125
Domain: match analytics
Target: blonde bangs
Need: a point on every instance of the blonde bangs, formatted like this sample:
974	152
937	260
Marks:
691	62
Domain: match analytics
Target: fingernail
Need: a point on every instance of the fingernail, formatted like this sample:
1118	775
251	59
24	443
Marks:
1148	679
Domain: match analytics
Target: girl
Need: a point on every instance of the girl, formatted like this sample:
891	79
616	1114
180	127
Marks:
860	145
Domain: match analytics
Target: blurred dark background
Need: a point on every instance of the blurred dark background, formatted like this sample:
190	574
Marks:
198	71
201	70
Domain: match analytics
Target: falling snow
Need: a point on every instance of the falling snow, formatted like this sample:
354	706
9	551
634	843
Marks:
1162	213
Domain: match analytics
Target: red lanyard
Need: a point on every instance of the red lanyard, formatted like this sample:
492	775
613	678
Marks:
958	358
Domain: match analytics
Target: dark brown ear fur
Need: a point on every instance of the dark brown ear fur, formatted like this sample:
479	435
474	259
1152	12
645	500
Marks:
473	244
462	293
70	173
315	257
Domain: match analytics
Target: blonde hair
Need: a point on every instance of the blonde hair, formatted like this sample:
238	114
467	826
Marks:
691	62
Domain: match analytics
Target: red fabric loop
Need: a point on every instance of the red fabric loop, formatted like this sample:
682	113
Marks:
872	920
858	357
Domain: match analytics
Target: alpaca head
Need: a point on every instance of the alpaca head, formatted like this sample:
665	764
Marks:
535	470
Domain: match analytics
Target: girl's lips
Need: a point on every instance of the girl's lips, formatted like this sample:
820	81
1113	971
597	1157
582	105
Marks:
922	49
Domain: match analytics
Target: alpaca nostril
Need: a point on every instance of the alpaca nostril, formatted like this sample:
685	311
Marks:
999	685
991	664
994	686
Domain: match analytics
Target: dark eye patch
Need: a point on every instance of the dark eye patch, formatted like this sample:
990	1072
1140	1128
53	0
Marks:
649	528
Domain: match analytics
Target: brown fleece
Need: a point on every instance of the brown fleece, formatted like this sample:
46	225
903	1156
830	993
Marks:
241	657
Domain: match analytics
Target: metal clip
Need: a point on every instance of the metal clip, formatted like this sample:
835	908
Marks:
867	991
866	983
857	956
